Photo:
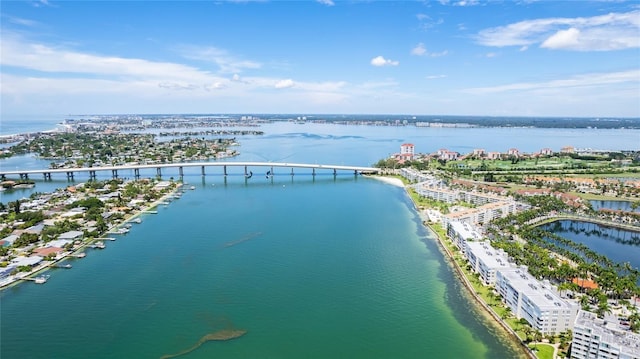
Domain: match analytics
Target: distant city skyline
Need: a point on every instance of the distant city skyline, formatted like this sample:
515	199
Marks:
466	58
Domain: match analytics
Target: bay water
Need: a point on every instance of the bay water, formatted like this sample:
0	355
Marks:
310	266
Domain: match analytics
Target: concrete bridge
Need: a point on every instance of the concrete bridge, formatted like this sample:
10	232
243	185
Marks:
269	166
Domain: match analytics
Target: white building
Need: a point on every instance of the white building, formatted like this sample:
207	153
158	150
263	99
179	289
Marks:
407	150
486	260
535	301
598	338
460	233
482	214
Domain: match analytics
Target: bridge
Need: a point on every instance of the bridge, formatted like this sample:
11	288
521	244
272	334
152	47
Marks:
70	172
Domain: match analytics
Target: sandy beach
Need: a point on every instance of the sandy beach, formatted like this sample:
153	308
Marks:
390	180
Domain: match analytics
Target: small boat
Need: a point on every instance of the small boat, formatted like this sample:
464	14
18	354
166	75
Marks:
41	279
137	221
65	266
99	245
192	187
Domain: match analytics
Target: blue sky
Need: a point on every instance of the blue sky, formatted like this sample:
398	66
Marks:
497	58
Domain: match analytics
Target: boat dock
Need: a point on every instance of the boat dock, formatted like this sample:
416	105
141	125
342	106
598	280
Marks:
41	279
107	238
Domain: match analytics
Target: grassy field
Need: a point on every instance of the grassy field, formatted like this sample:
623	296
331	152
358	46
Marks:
543	351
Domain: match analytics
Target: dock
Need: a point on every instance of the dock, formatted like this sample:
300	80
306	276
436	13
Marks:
107	238
38	280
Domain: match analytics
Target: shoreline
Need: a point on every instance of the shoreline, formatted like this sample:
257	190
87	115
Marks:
480	304
389	180
40	270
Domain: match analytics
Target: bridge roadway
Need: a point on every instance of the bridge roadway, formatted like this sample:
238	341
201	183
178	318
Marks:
24	174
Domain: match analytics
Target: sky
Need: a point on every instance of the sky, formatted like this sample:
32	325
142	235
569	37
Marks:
448	57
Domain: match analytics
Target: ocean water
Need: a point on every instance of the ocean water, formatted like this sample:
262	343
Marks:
324	268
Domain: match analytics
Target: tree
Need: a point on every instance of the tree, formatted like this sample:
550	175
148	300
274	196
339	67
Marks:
16	206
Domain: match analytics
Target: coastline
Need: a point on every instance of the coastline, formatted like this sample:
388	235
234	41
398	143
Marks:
482	306
82	247
389	180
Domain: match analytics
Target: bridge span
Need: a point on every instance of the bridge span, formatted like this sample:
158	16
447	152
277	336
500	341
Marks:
69	172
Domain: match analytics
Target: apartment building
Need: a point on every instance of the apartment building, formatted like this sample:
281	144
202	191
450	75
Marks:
602	338
537	302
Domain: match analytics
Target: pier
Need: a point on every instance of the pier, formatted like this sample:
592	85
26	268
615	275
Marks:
269	166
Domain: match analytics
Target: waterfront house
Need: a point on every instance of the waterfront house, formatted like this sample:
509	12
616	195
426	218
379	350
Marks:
8	240
71	235
31	261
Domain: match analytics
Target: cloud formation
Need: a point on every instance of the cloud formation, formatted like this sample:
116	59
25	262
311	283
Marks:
283	84
421	50
326	2
584	80
226	62
613	31
381	61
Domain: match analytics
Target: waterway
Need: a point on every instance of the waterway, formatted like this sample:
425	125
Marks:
313	267
626	206
617	244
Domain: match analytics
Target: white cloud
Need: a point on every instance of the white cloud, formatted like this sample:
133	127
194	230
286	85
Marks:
419	50
614	31
467	3
490	55
433	77
20	21
585	80
227	62
283	84
326	2
177	86
381	61
51	59
427	22
562	39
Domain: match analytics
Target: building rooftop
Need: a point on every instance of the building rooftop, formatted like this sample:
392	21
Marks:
628	342
491	257
540	293
465	230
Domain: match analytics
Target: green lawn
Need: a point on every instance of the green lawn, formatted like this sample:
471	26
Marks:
543	351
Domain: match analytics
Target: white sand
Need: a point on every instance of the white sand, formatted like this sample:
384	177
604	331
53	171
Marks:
390	180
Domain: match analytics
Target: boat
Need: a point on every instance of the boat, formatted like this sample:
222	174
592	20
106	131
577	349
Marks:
99	245
41	279
122	230
65	266
192	187
137	220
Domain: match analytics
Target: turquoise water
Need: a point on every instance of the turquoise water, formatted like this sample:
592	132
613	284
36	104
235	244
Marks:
311	268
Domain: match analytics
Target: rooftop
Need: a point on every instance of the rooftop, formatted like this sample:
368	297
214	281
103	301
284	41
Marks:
540	293
628	342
